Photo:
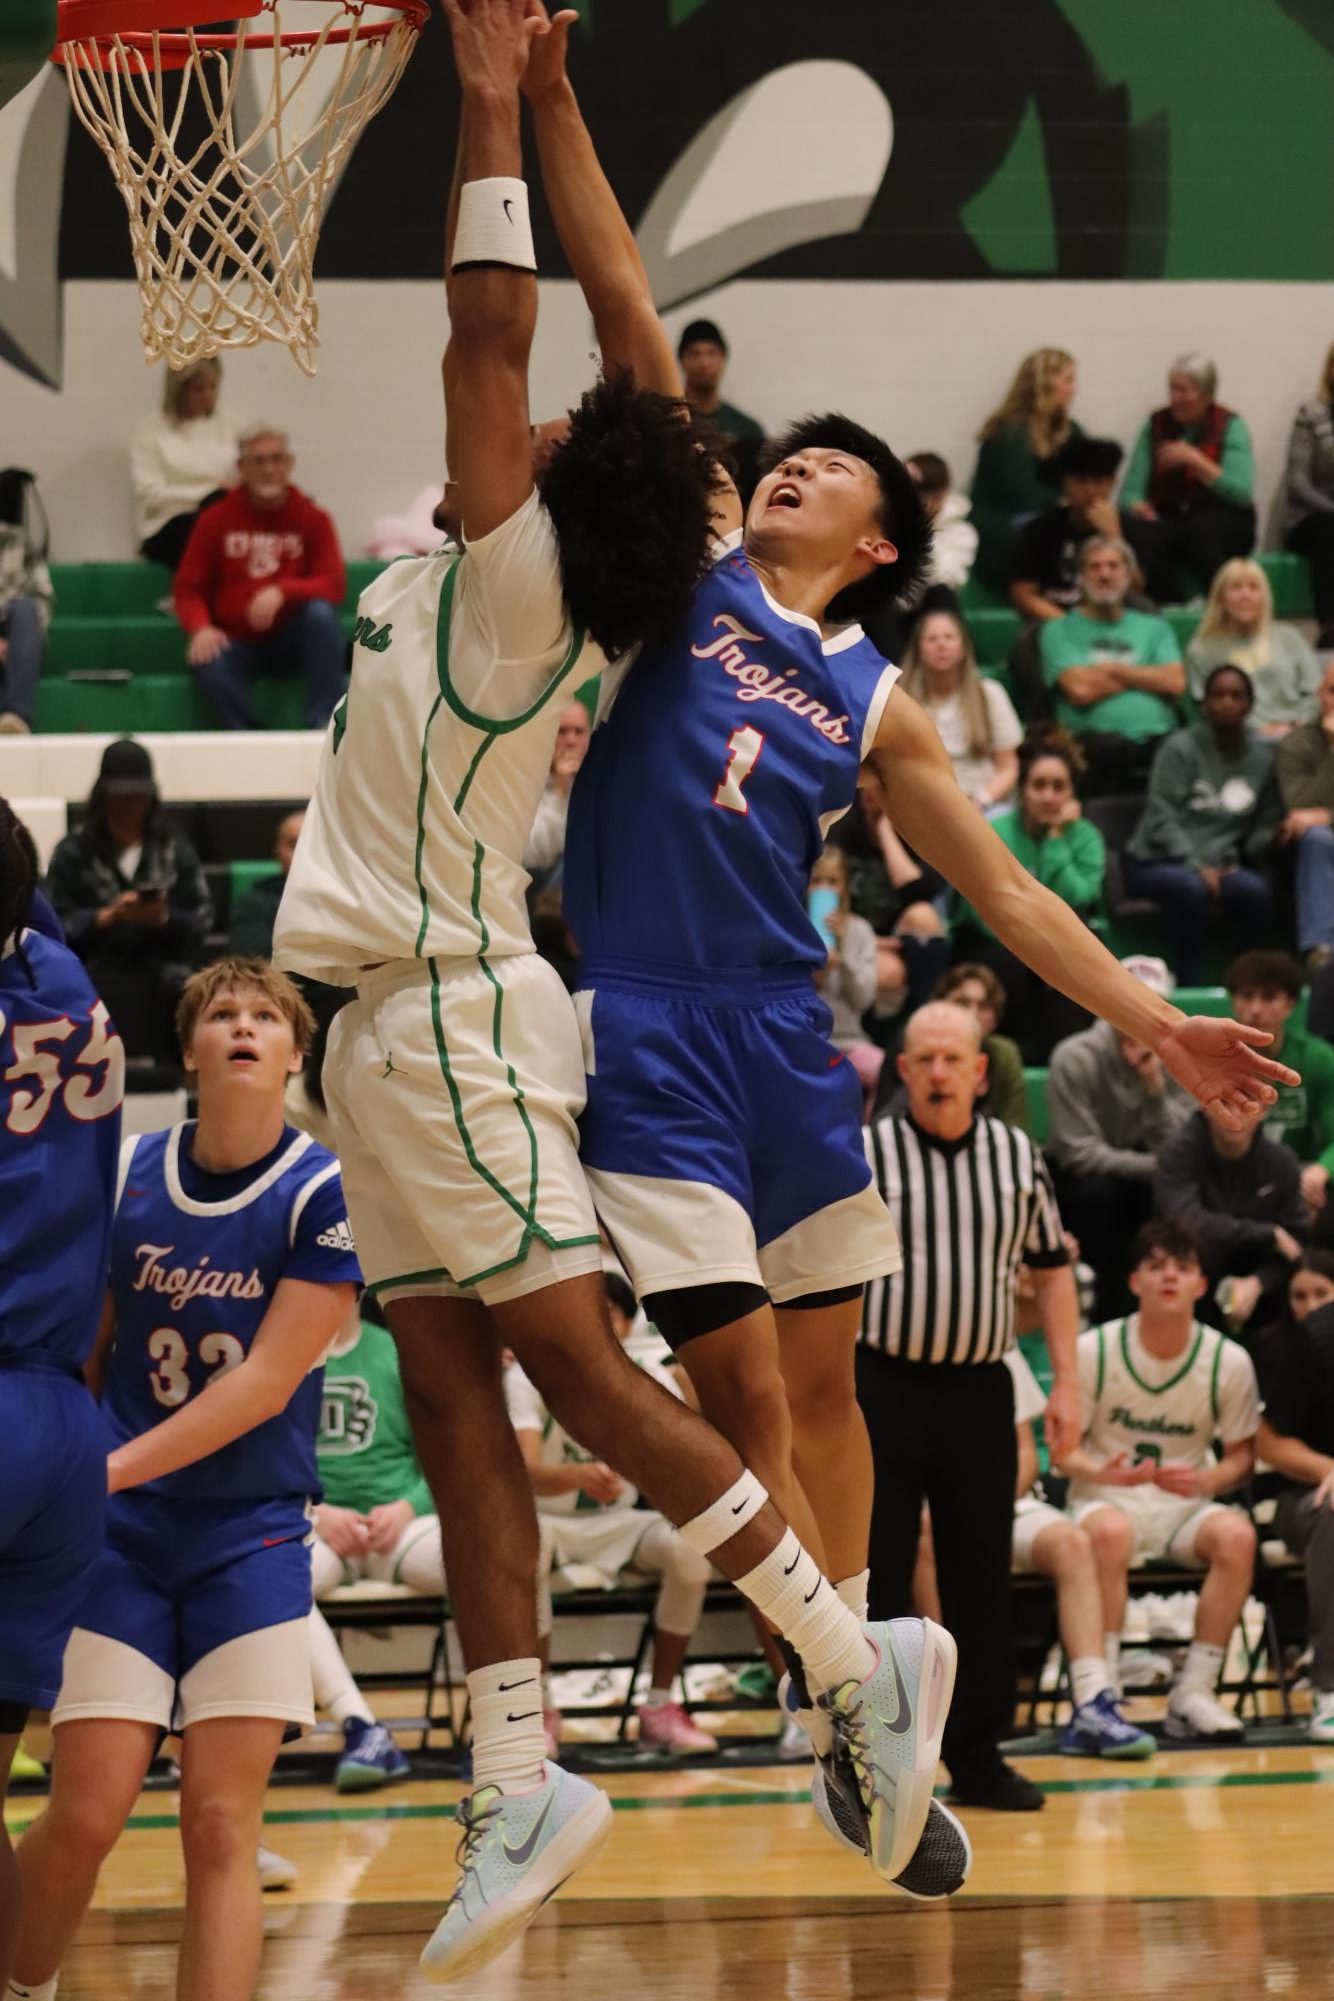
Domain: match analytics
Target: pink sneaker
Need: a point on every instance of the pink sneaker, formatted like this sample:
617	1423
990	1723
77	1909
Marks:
668	1728
551	1731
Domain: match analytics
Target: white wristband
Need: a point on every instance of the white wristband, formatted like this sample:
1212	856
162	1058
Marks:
493	225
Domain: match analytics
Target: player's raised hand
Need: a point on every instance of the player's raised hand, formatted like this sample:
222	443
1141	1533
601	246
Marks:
548	50
1219	1062
491	42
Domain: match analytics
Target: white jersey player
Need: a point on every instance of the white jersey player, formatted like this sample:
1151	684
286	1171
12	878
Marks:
1157	1390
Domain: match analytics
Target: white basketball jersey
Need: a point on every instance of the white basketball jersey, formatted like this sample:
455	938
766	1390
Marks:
1149	1409
435	761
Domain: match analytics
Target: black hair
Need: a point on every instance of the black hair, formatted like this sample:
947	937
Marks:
620	1294
1266	973
706	330
901	513
1231	667
933	475
631	494
18	874
1321	1262
1083	458
1170	1237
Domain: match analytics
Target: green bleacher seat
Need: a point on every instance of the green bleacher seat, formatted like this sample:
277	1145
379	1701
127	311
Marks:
1202	1000
1035	1082
994	633
1290	581
150	703
244	875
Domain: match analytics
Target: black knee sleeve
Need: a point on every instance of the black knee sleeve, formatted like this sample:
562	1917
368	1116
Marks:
14	1718
810	1302
691	1310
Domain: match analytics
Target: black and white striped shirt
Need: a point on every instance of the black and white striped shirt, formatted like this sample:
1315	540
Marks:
969	1212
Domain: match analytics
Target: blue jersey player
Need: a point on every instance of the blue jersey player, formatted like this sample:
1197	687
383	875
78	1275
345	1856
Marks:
231	1268
62	1071
721	1134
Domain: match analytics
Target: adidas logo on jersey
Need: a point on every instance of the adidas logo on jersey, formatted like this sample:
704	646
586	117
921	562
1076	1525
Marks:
337	1239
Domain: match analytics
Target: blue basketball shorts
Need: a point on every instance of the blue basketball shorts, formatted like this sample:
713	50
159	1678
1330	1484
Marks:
53	1499
197	1609
722	1135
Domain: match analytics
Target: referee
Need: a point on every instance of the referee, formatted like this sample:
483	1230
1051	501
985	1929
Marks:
973	1201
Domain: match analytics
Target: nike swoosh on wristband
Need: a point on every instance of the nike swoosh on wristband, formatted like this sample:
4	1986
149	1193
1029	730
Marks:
739	1506
507	205
527	1716
814	1588
508	1687
788	1568
518	1856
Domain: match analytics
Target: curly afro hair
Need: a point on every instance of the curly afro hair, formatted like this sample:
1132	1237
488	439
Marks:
631	494
902	516
18	873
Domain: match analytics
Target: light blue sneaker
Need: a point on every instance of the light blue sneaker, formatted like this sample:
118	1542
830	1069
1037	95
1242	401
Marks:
888	1731
1097	1729
515	1852
370	1759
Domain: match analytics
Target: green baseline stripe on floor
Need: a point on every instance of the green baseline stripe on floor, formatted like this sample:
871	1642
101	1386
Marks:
1122	1783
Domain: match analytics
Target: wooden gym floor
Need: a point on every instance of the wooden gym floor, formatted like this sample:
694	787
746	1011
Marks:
1206	1874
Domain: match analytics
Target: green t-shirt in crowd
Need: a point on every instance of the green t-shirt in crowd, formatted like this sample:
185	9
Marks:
1135	639
1303	1117
364	1447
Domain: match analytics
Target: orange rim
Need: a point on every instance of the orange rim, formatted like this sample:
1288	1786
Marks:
158	30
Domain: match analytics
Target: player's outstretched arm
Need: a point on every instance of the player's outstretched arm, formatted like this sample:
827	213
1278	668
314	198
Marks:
594	234
292	1340
1219	1061
492	285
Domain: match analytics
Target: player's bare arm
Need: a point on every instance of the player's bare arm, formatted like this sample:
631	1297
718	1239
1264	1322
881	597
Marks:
493	304
292	1340
1219	1061
95	1368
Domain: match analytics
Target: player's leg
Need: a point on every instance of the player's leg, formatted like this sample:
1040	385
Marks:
661	1552
225	1766
11	1729
1112	1533
831	1453
1063	1552
1222	1539
97	1772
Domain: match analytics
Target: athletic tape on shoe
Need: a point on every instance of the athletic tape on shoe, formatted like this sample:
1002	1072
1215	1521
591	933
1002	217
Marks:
493	225
727	1517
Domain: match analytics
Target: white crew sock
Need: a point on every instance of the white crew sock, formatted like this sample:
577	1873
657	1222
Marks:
1088	1678
856	1594
1201	1668
16	1991
657	1698
804	1606
335	1690
508	1747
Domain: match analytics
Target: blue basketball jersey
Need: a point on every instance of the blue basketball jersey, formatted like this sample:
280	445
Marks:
720	760
192	1280
62	1077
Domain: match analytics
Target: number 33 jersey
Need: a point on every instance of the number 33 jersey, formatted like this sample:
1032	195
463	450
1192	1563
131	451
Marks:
196	1260
721	758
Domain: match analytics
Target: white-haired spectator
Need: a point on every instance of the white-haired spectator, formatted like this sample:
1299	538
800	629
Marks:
1188	497
182	457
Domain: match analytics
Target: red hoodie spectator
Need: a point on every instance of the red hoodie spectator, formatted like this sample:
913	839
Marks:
266	534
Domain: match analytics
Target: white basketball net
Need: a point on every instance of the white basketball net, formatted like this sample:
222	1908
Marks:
224	226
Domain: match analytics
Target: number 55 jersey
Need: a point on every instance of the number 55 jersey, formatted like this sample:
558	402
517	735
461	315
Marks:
722	1130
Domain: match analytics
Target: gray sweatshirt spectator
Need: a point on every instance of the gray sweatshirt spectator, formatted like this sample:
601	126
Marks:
1239	1195
1208	807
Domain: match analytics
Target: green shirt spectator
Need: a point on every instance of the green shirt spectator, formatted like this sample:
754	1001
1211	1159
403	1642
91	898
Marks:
1187	501
364	1449
1019	438
1264	988
1236	461
1070	861
703	354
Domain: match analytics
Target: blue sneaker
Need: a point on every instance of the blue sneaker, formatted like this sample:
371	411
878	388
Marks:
888	1731
1097	1729
515	1852
370	1759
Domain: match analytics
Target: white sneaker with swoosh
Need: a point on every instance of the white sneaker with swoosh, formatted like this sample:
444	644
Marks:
888	1728
516	1850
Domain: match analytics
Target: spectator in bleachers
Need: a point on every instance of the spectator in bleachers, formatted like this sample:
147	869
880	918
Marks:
131	894
182	458
1110	1108
1115	674
259	586
1049	835
1018	439
978	989
953	536
898	896
703	354
1296	1438
546	840
1308	497
1156	1390
1188	497
377	1520
1264	988
1239	1194
847	981
1044	563
973	714
253	915
589	1517
1304	764
1239	629
26	598
1209	826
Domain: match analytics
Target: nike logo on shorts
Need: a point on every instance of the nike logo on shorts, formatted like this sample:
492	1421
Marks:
518	1856
273	1541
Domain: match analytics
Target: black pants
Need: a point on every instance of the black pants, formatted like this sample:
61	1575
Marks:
1181	550
1036	1015
1104	1211
1314	539
945	1435
168	545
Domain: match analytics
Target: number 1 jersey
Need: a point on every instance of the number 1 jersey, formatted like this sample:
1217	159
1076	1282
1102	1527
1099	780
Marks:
195	1262
721	759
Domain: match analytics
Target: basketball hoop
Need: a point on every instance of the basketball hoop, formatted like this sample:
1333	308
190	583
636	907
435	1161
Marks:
226	149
